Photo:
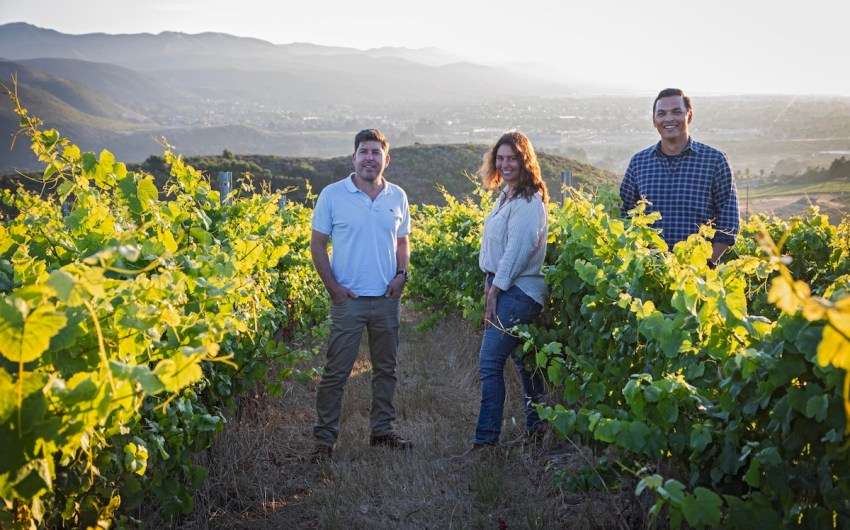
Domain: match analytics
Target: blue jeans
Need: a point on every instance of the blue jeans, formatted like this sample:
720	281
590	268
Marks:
512	307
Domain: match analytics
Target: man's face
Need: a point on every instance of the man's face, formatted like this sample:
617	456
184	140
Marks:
671	118
370	160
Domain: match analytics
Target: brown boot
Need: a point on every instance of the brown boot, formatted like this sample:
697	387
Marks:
321	453
391	440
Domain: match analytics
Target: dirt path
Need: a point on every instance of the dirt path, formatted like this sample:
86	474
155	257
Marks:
260	477
832	204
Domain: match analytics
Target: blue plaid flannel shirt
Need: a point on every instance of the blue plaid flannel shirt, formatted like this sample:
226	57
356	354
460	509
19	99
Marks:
691	189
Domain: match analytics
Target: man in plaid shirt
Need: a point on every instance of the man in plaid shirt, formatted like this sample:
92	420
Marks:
689	183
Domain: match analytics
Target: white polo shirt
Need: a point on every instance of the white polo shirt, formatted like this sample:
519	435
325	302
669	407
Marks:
363	233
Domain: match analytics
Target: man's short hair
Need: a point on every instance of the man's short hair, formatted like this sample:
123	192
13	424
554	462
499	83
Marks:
371	135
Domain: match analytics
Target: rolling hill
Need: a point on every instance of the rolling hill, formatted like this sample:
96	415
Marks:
125	86
77	111
420	169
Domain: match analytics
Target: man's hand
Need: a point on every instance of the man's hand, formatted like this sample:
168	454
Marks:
396	286
340	293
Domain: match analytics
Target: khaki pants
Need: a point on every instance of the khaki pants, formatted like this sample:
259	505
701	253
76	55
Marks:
381	317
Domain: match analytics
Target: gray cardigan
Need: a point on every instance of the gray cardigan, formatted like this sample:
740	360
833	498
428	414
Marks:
513	245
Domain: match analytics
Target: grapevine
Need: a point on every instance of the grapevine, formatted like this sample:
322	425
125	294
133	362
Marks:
129	326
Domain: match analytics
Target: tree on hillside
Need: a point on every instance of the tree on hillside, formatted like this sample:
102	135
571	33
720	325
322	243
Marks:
840	168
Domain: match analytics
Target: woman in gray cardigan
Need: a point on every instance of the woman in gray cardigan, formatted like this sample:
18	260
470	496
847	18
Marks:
513	248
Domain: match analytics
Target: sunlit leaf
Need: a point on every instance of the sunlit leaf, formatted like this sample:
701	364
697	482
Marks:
136	458
839	317
782	294
104	175
179	371
146	192
167	239
834	349
24	336
813	310
8	395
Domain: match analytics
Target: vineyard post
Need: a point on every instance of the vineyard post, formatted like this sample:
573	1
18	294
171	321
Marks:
566	182
282	202
225	184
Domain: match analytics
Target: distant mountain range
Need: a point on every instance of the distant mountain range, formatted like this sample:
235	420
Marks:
146	52
212	91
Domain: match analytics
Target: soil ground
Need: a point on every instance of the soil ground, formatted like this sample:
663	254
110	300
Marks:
834	205
260	475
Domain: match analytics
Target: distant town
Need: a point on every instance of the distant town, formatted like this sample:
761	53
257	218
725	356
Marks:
778	135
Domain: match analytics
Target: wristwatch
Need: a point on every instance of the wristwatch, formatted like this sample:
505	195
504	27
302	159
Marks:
403	272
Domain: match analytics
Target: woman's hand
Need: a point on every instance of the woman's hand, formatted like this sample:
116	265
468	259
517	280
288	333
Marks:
491	298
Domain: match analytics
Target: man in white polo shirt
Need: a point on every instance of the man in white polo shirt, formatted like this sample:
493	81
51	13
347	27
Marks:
367	220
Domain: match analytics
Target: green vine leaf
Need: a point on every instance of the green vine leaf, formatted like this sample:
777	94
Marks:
703	508
179	371
24	334
8	400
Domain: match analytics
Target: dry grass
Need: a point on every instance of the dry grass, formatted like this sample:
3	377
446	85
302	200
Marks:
259	475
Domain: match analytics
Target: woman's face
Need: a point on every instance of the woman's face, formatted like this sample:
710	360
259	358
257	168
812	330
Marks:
508	164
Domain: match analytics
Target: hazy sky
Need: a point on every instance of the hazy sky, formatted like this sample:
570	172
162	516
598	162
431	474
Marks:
706	47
